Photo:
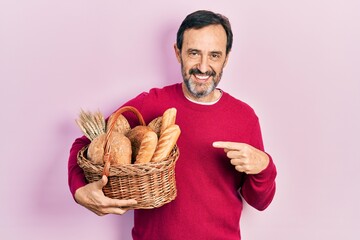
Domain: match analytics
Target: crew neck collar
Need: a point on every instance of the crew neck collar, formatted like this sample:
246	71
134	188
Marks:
205	103
197	106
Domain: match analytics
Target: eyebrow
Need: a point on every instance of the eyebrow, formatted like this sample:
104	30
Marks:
193	50
217	52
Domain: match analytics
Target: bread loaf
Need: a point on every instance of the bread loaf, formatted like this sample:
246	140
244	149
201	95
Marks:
147	147
155	125
120	149
121	125
168	119
96	150
166	143
143	142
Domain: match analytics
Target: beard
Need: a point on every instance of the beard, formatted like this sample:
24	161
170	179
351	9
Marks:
199	90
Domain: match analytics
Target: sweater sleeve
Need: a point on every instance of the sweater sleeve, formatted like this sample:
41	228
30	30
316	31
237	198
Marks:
76	177
258	190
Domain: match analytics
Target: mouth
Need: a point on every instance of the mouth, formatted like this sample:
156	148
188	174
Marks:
202	77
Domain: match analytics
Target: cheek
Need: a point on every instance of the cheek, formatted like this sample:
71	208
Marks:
218	69
189	62
186	66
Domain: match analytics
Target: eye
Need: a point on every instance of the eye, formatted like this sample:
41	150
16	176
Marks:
193	53
215	56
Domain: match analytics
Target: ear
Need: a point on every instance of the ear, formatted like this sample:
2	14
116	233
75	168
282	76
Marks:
177	53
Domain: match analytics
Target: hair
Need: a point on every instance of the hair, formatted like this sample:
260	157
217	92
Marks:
203	18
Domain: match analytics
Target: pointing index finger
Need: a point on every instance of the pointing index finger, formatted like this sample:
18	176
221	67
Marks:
226	145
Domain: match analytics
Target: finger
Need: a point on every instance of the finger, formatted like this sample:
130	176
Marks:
108	210
109	205
110	202
240	168
227	145
114	210
97	211
236	162
233	154
102	182
226	150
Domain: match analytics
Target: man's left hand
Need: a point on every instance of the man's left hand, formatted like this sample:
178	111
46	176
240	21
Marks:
244	157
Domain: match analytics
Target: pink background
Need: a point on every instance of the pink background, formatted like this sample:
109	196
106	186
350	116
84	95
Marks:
296	62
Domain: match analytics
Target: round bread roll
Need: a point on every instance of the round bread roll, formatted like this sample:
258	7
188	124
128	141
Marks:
121	125
143	142
155	125
120	149
96	150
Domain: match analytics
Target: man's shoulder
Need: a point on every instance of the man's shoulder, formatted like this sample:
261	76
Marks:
164	89
162	93
236	100
157	92
238	104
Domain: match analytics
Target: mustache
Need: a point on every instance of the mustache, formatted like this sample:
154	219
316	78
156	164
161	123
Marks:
197	71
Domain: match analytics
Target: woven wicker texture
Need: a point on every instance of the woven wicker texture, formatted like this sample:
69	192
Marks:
151	184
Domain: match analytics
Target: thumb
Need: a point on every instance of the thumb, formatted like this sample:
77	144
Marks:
102	182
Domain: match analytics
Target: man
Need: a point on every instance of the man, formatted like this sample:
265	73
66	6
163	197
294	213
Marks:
222	158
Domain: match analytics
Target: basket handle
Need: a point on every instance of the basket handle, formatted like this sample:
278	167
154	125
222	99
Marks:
107	147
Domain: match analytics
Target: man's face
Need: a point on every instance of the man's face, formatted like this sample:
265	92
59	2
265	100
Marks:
202	58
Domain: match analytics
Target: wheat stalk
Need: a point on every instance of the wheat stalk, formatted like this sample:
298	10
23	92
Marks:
91	124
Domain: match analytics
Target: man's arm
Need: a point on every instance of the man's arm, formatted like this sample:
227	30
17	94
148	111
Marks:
91	195
258	185
258	188
76	177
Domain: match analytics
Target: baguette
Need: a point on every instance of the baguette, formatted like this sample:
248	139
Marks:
166	143
143	142
147	147
168	119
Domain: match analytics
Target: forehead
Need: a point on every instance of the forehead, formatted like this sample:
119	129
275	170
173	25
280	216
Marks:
209	38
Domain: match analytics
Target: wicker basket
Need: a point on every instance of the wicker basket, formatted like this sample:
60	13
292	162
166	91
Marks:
151	184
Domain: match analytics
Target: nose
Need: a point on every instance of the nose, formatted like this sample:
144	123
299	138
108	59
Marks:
203	65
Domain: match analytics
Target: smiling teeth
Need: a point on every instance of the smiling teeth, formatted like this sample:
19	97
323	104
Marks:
202	77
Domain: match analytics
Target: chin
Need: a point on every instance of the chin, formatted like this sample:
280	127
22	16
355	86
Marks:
199	93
